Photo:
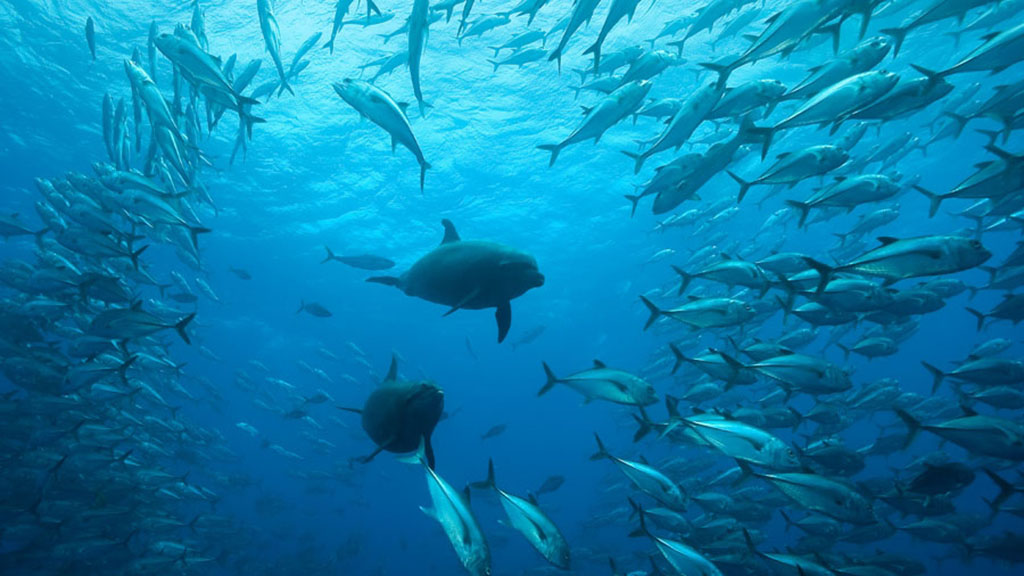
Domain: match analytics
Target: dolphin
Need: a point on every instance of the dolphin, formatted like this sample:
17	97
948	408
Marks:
473	275
400	415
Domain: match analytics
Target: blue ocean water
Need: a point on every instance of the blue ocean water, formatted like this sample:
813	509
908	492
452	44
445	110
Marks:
289	498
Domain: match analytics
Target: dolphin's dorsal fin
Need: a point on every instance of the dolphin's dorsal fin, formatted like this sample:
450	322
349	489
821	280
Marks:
450	234
392	370
599	364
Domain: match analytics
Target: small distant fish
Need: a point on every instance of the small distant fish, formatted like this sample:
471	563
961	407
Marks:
314	309
90	36
529	336
551	484
494	432
362	261
241	273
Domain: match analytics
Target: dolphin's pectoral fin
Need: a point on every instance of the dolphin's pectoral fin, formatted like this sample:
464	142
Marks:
368	459
504	317
428	451
465	300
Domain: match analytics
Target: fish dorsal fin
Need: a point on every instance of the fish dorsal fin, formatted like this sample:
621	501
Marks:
692	298
450	234
886	240
392	370
783	155
465	494
403	106
967	410
725	256
599	364
840	178
532	498
136	305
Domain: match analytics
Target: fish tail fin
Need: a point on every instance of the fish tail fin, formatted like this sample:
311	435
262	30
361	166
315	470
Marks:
302	306
824	271
135	256
655	311
551	380
898	35
634	199
424	166
122	370
733	363
371	6
601	453
913	426
744	185
960	119
554	149
932	76
786	518
595	49
680	358
194	232
182	324
767	135
489	482
750	543
846	351
494	63
803	208
745	472
685	277
1006	490
285	86
330	255
386	280
639	512
672	406
615	569
723	71
638	160
678	45
937	376
644	425
330	44
980	316
557	55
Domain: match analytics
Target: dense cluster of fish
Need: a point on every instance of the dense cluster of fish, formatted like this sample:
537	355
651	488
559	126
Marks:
102	473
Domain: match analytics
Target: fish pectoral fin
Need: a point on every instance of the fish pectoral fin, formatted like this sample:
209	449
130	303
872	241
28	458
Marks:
429	512
467	538
541	535
465	300
394	144
504	317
